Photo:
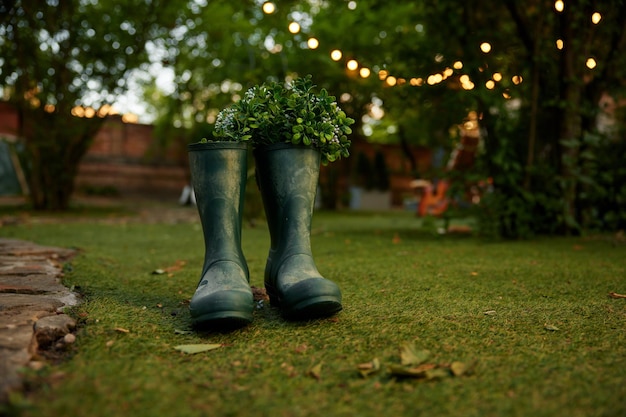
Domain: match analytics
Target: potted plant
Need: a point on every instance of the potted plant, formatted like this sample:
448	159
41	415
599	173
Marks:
292	130
288	113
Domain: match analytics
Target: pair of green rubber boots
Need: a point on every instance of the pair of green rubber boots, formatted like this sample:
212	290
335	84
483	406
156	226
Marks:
287	176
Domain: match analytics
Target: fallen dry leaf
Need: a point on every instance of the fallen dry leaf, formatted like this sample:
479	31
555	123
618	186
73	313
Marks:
121	330
259	294
409	355
197	348
616	295
416	372
551	327
368	368
458	368
316	371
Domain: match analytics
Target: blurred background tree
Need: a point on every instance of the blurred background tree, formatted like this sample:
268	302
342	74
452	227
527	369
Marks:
63	64
541	80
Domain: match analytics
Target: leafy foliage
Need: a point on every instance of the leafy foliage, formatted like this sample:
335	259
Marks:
274	112
58	57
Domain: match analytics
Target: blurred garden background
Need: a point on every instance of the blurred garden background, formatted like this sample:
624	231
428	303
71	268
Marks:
510	112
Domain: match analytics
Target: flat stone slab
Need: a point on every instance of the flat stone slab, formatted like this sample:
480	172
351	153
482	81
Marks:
32	299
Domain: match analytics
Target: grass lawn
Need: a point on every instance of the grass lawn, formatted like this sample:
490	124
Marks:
533	318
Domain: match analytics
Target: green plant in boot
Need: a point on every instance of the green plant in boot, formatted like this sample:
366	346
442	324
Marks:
292	112
223	299
293	130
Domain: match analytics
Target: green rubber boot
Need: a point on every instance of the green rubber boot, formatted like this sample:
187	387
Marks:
287	177
223	299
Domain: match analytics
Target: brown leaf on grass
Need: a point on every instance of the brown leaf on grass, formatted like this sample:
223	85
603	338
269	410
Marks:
170	269
458	368
197	348
369	368
551	327
438	373
176	267
121	330
316	371
412	372
301	348
410	356
259	294
616	295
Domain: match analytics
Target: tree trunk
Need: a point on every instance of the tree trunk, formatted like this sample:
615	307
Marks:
570	130
55	144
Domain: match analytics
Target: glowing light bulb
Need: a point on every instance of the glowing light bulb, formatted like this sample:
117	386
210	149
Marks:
497	76
559	44
596	17
313	43
485	47
336	55
352	65
364	72
458	65
559	5
591	63
269	7
391	81
294	27
490	84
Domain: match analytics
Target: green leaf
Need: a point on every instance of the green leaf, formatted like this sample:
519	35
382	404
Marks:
410	356
197	348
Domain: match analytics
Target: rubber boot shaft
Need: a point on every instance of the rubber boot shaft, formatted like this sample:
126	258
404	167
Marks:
288	178
223	298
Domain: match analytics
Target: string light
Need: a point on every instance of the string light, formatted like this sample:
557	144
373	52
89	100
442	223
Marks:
269	7
391	81
457	65
485	47
313	43
596	17
559	44
336	55
497	76
364	72
294	27
490	84
559	5
383	74
591	63
517	79
352	65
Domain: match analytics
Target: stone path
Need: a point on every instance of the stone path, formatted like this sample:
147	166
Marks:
32	299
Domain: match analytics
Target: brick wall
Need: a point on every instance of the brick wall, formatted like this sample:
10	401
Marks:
123	158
